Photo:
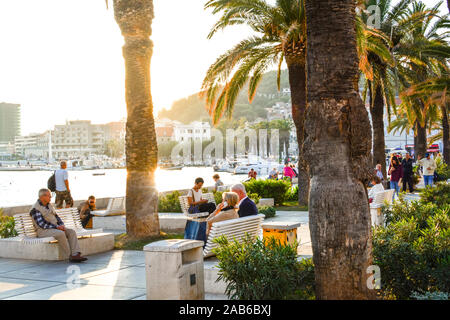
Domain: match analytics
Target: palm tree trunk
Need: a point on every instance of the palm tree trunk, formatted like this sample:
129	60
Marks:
337	149
445	134
134	19
420	148
297	82
377	114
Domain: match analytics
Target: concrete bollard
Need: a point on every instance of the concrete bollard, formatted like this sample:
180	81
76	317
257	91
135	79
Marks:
266	202
174	270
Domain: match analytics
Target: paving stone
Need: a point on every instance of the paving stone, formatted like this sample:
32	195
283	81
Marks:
62	271
125	257
132	277
7	265
14	287
81	292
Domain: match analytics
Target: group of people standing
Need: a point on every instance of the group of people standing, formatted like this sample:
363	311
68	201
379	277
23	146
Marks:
401	171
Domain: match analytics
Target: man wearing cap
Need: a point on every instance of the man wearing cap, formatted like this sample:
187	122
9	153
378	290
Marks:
429	165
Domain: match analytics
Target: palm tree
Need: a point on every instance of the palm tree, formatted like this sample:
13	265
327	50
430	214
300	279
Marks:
380	77
420	53
134	19
280	36
435	92
337	148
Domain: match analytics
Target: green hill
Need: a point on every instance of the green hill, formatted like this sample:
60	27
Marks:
193	108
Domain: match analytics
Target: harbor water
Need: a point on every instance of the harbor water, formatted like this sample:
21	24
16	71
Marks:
21	187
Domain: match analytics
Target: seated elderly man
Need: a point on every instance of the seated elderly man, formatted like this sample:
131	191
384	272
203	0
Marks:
246	205
48	224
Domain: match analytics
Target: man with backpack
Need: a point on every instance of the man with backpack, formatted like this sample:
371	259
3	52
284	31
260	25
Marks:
62	187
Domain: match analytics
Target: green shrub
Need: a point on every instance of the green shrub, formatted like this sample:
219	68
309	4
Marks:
439	194
430	295
413	249
255	197
292	194
218	196
267	211
258	270
169	203
305	282
442	169
276	189
7	225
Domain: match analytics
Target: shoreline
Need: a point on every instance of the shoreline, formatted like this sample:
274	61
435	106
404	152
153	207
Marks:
101	202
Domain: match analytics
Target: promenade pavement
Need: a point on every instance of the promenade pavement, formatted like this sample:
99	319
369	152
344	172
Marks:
117	274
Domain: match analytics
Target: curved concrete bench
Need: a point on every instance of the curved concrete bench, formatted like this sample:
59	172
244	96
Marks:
28	246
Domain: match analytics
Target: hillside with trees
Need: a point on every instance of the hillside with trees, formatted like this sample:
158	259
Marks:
193	107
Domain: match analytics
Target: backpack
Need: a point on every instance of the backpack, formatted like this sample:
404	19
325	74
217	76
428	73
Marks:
51	183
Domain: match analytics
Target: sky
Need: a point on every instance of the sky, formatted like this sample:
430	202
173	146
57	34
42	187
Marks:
62	59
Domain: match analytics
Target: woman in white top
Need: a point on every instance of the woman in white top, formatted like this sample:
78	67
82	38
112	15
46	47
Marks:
225	211
195	198
377	187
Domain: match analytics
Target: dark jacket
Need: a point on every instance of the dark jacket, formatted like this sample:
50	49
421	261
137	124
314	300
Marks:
407	167
247	208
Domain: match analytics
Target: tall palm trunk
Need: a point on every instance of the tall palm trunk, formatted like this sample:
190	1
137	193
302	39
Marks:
297	82
134	19
377	114
420	147
337	149
445	134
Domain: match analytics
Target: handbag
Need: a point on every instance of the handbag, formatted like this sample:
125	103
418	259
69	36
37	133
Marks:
193	208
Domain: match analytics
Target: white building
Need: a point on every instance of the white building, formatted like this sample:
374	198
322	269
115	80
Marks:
35	145
78	138
193	131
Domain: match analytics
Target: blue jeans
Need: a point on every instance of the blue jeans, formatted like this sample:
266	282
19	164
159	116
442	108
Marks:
428	180
394	185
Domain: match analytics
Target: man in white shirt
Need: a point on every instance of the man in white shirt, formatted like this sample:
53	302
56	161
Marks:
62	187
429	165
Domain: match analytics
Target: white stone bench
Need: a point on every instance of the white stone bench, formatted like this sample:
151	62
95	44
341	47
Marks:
201	216
116	206
28	246
233	229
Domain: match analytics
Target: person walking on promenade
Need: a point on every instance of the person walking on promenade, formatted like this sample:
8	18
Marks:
429	165
62	187
408	173
295	170
396	172
288	172
48	224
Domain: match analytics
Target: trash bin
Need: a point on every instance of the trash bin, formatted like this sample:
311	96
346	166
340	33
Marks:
174	270
285	232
